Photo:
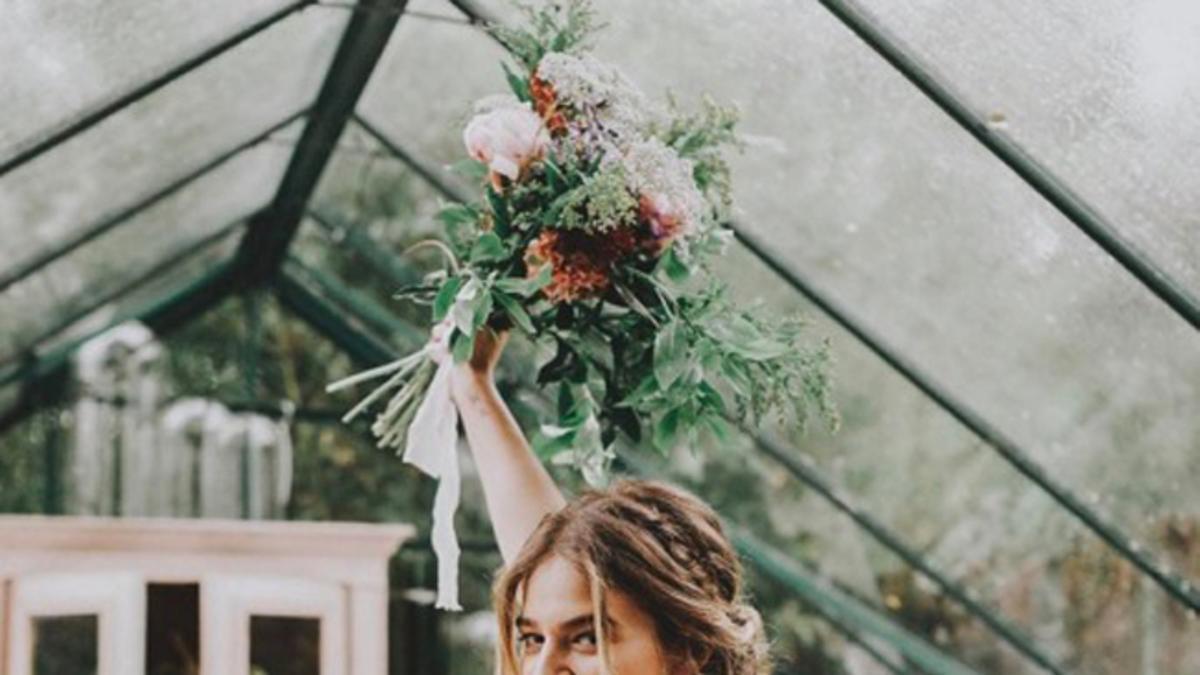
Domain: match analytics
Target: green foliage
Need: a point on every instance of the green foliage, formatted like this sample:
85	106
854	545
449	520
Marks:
601	202
647	345
559	26
519	84
701	137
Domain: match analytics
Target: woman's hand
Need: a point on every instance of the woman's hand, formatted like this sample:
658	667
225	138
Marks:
477	376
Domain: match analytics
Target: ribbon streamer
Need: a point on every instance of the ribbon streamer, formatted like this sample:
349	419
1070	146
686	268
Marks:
432	447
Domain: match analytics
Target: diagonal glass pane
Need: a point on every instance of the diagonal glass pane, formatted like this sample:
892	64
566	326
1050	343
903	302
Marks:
1101	92
63	58
71	283
166	135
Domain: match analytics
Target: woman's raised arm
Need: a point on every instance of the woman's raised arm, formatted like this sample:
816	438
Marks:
517	488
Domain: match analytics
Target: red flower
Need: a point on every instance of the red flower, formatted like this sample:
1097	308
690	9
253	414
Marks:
545	103
581	261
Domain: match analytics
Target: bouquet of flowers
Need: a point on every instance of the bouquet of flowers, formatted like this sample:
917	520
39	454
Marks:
598	216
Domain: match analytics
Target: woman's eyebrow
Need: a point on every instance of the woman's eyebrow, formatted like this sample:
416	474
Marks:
569	624
586	620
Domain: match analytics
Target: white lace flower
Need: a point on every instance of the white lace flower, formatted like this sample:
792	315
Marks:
664	182
598	91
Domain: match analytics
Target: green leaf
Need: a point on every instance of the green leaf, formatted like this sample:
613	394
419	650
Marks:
463	347
720	429
483	308
518	84
466	306
710	397
457	213
501	216
488	248
670	354
595	346
445	298
742	337
737	376
666	431
471	169
575	404
461	223
527	286
554	176
515	311
674	268
551	214
546	447
646	389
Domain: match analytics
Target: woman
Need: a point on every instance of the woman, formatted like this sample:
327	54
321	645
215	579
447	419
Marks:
636	579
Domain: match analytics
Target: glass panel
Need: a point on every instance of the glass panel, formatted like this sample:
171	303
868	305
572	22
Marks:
65	645
172	629
1103	92
439	8
64	58
167	135
285	646
152	292
168	228
419	100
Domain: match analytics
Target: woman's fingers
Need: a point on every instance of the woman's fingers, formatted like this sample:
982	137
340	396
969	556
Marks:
489	344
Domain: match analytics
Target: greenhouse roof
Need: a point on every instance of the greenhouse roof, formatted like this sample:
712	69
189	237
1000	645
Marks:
993	211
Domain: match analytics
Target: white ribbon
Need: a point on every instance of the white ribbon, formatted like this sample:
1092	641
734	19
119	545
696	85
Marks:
432	447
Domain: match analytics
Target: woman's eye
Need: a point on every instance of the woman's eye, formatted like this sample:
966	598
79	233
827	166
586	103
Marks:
530	642
588	638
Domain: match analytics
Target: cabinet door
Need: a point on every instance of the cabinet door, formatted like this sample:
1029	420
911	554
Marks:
76	623
277	624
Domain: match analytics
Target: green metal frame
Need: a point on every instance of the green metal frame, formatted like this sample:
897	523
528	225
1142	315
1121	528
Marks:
270	234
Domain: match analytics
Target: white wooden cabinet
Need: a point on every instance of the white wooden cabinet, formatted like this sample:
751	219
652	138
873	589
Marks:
330	577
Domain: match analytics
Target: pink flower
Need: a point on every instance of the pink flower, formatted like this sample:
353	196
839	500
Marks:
507	139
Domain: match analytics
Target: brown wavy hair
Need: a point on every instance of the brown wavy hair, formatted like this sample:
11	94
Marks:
667	551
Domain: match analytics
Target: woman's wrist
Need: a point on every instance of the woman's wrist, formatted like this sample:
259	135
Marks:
471	385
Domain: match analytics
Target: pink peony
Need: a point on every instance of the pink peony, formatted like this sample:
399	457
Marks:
507	139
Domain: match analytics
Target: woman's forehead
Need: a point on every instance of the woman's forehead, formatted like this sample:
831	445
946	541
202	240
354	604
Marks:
556	592
559	593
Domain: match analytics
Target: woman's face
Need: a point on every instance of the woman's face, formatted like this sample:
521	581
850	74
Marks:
556	635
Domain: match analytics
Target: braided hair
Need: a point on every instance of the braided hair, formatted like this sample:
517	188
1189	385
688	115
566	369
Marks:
667	551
